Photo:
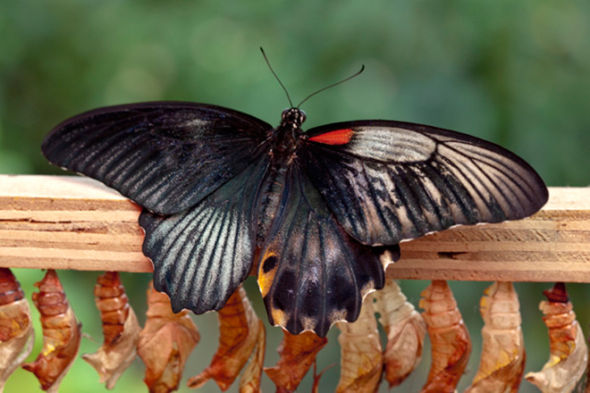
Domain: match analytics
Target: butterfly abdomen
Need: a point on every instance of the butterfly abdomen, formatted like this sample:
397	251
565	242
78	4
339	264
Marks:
271	190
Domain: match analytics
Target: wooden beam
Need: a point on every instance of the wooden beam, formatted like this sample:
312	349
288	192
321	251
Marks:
66	222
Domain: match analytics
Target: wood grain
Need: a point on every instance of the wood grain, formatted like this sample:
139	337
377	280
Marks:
71	222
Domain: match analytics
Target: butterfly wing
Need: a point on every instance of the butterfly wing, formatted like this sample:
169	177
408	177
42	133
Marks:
197	168
166	156
201	255
311	272
389	181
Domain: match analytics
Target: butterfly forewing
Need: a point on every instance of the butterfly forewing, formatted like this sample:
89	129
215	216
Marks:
391	181
166	156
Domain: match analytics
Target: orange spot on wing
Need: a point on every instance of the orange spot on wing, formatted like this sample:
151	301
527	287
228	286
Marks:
266	272
337	137
278	316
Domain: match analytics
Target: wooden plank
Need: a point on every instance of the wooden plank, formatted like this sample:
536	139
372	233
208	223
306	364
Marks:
76	223
68	222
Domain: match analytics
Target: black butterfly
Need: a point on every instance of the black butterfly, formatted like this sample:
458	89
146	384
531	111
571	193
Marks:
313	212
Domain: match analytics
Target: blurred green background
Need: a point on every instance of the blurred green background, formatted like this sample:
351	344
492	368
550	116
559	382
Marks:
516	73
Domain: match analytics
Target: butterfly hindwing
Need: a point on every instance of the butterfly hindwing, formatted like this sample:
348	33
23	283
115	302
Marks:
311	272
201	256
389	181
166	156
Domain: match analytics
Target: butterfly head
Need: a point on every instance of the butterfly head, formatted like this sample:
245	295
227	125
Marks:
292	118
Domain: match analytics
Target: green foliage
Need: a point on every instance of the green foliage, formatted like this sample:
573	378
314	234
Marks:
516	73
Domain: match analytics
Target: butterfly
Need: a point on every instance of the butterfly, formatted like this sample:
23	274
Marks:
316	214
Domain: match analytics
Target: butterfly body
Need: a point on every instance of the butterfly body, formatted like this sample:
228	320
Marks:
311	212
283	142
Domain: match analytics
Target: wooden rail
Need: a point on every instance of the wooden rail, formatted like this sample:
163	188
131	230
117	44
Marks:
66	222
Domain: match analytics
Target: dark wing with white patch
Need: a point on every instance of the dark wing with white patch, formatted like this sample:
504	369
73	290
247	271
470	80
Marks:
200	256
311	272
388	181
166	156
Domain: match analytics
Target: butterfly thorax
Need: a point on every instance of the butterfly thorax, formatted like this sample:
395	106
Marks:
287	136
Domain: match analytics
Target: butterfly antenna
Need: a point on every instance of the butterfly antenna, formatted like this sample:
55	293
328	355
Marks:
276	76
333	84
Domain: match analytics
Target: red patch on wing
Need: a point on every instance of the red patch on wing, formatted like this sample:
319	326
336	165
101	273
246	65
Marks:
337	137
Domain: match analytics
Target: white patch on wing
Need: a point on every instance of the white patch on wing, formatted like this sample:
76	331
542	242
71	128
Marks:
196	122
392	144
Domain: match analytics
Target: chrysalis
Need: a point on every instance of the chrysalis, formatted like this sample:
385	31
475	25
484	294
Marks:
297	354
250	379
165	343
120	329
568	353
502	356
449	338
61	333
239	329
361	356
16	328
405	329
